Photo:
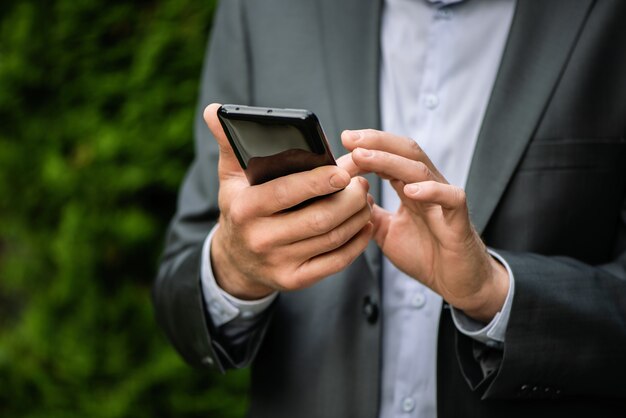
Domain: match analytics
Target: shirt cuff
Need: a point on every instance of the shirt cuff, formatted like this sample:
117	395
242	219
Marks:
493	333
222	306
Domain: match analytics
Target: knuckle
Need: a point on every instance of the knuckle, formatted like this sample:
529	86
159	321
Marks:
238	213
335	238
289	281
254	246
259	244
282	281
316	182
320	221
280	194
316	187
423	170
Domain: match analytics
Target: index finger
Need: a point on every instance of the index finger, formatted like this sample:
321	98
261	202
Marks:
393	144
346	162
392	166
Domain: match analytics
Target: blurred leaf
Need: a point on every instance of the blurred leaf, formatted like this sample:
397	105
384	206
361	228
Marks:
97	100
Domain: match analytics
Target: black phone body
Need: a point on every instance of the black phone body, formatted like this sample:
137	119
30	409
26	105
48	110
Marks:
271	142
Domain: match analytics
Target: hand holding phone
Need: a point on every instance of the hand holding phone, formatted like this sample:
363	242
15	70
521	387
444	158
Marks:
260	246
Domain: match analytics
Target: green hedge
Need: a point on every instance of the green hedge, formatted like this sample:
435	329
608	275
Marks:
96	106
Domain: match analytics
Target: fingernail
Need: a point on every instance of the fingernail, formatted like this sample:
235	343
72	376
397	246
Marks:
412	189
364	152
364	182
338	181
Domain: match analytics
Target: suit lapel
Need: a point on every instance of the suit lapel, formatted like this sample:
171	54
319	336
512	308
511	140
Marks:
541	38
350	38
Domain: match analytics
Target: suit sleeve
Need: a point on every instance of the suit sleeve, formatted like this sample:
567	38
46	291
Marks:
177	295
566	335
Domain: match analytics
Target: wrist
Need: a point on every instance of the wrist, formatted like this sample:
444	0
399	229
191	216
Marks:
492	295
229	278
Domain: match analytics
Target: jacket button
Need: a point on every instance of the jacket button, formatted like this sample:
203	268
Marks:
370	310
523	391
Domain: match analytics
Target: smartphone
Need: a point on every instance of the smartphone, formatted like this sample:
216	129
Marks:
271	142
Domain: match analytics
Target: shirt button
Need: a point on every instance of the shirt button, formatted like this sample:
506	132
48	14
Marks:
370	310
418	301
408	404
431	101
246	314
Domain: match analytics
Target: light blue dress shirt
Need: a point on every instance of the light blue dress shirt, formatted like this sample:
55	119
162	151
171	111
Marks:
438	66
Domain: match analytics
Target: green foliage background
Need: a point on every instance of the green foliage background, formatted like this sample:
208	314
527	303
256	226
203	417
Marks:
96	106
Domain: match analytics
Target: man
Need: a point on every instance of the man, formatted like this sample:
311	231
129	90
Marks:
523	103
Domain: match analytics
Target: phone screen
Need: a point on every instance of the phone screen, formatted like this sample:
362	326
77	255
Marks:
270	143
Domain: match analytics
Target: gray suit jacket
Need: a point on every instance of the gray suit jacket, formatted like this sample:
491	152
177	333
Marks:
547	189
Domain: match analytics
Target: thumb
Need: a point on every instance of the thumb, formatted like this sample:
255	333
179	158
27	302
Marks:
228	160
